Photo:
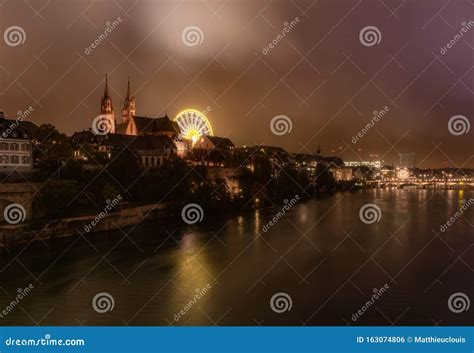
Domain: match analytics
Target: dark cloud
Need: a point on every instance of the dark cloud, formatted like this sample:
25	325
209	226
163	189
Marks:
318	74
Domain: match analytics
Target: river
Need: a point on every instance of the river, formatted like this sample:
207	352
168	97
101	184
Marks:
326	261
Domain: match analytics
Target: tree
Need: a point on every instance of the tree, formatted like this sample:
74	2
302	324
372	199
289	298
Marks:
56	199
324	178
51	148
124	168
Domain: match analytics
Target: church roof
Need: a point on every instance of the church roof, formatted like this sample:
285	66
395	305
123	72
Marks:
84	137
334	160
268	150
307	157
8	130
121	128
17	129
220	142
149	125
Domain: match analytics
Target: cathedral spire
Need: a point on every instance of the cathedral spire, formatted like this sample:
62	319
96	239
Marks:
106	106
128	88
107	109
128	110
106	90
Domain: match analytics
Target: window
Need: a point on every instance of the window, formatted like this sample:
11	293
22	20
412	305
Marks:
25	147
14	146
25	160
14	160
3	146
3	159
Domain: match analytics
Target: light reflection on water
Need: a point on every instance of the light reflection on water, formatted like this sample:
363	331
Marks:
327	265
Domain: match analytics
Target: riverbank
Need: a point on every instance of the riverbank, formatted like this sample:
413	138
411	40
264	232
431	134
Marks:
122	218
71	226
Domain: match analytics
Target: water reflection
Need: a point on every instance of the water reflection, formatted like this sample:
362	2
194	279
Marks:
329	270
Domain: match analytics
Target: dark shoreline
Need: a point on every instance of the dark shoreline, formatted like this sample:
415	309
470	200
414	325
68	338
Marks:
37	230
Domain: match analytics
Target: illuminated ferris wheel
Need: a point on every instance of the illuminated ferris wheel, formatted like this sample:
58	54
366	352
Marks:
193	124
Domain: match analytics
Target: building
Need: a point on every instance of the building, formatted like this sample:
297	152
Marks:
211	151
333	161
142	125
152	151
149	137
131	123
230	177
128	111
341	173
209	143
107	109
403	174
388	173
277	156
15	146
407	160
306	161
81	140
371	164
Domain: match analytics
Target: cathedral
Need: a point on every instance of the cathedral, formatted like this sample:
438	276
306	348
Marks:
132	124
152	140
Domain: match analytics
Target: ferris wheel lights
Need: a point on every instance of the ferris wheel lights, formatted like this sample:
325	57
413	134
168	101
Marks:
193	124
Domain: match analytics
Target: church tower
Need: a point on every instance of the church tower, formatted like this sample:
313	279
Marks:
128	105
107	109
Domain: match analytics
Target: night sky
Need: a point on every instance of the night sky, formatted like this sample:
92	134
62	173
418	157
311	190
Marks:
320	75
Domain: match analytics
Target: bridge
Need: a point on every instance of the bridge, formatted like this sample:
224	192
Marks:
461	183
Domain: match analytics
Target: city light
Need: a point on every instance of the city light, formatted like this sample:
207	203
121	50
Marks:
193	124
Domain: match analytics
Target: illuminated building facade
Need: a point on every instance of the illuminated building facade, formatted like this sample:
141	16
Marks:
371	164
15	146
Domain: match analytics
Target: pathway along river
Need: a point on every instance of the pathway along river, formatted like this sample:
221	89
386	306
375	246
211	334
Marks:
226	271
